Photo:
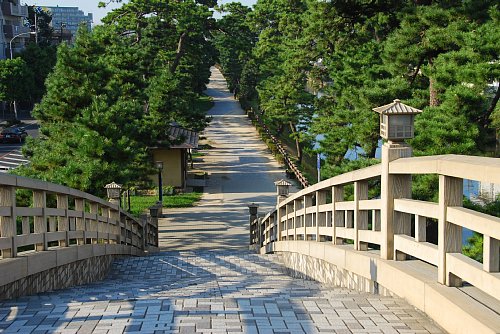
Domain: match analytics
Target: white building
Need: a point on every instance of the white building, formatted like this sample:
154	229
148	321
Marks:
12	15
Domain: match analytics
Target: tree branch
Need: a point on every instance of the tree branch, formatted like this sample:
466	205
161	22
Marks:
180	51
492	107
414	76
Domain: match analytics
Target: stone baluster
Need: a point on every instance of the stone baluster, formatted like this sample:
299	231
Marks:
8	223
337	216
63	221
449	235
360	216
40	223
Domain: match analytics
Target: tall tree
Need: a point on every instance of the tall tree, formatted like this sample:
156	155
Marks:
16	82
113	94
234	42
40	21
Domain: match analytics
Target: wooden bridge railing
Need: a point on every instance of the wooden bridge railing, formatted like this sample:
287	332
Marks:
286	157
39	216
382	215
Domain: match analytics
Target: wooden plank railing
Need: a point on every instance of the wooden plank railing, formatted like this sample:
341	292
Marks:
59	217
322	213
286	157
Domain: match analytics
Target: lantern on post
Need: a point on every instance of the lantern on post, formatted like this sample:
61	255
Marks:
159	167
113	191
254	228
252	209
396	121
396	125
282	189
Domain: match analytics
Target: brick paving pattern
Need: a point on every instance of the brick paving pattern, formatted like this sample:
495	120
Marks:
209	292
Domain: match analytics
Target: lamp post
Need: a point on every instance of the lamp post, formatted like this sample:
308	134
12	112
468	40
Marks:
16	36
159	166
11	57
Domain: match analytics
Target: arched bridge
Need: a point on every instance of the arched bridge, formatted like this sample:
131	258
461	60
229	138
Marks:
377	240
350	254
52	237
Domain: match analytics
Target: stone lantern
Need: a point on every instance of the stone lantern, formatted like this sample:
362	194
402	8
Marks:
396	125
114	192
252	209
396	121
282	189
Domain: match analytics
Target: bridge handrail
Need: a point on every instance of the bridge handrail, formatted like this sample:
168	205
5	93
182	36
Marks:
76	218
395	222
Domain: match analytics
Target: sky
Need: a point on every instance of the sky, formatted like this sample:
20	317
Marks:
90	6
87	6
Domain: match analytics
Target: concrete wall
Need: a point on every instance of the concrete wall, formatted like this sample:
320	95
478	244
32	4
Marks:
414	281
58	268
65	276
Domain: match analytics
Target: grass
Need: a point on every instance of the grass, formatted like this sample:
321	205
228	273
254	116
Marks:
204	103
140	204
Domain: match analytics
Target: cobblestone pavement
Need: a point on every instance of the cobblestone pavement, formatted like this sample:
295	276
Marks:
208	292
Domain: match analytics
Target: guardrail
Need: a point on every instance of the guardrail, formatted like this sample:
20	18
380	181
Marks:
55	216
291	165
390	220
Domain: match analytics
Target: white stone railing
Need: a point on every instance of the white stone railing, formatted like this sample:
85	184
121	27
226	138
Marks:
59	217
389	220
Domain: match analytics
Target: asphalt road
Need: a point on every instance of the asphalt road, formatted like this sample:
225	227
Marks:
10	154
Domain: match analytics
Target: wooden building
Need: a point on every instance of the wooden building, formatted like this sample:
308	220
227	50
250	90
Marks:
175	157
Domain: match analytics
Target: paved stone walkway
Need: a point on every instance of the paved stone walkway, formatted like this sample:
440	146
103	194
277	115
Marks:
210	284
241	170
208	292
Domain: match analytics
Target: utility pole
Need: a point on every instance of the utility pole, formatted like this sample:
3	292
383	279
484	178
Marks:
61	36
36	25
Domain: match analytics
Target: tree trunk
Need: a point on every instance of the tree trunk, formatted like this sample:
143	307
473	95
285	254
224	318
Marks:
180	52
297	143
491	108
433	93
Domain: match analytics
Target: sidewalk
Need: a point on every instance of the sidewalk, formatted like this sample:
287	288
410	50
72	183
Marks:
241	170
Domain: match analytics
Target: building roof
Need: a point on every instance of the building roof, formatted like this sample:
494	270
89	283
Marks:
397	108
182	138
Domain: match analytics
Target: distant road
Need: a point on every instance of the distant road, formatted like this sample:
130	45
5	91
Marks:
10	154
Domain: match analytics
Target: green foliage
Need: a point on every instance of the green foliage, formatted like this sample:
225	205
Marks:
16	80
42	23
40	60
140	204
114	93
441	57
474	247
234	42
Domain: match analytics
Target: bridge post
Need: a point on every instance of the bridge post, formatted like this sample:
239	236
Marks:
360	216
114	216
254	228
337	216
396	125
392	187
40	222
8	224
94	221
307	218
282	190
63	221
320	217
449	235
80	221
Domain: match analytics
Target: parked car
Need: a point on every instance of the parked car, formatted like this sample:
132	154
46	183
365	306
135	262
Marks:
13	135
